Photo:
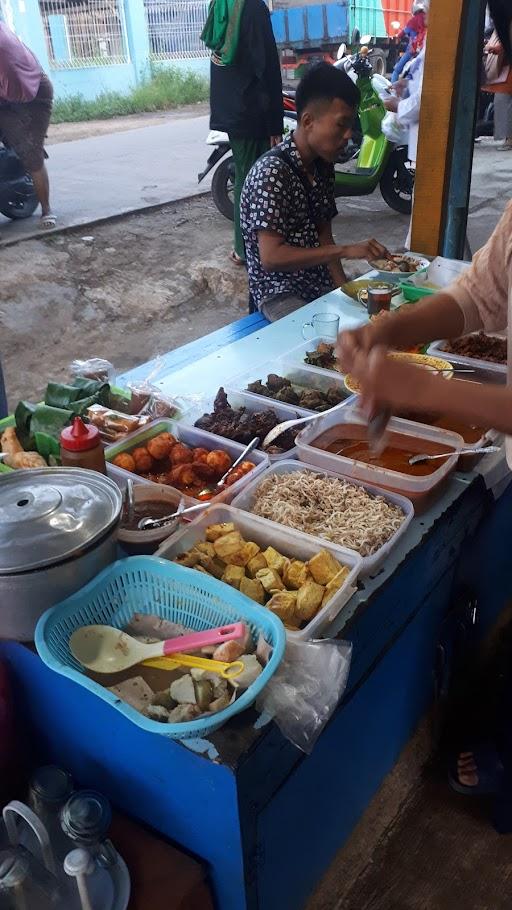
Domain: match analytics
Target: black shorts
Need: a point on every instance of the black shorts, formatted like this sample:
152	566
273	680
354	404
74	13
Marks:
24	126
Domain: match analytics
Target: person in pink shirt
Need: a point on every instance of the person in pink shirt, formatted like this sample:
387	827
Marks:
26	98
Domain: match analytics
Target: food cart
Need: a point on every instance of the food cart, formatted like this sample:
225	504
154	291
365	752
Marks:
267	818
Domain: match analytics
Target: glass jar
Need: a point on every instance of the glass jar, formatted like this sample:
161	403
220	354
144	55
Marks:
49	790
85	820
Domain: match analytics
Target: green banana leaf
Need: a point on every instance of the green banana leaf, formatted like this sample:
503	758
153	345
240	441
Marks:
92	388
47	445
23	416
49	421
59	395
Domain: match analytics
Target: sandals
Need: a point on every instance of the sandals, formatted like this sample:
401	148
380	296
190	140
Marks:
235	258
47	222
489	769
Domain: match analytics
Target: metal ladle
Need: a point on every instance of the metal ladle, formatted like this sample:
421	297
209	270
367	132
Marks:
418	459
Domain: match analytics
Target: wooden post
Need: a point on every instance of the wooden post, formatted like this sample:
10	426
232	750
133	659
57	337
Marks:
445	85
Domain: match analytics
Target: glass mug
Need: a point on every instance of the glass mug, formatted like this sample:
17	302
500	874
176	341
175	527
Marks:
323	325
378	297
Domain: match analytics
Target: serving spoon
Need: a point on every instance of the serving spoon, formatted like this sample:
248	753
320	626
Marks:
418	459
288	424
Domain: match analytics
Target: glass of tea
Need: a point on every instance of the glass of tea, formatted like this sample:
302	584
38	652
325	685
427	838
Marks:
378	297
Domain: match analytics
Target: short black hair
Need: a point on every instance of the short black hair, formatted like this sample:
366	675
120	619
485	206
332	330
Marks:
501	15
324	82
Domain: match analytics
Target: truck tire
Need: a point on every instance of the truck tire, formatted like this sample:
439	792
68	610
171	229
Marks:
223	185
379	61
397	181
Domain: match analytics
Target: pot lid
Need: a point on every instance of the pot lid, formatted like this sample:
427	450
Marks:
51	514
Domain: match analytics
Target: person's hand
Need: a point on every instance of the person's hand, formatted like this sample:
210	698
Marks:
275	140
391	104
401	87
387	383
361	341
367	249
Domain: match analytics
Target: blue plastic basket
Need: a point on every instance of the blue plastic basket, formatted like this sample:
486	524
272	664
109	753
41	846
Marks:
146	584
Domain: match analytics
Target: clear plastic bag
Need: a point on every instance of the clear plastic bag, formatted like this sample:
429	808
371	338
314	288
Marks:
303	694
393	130
94	368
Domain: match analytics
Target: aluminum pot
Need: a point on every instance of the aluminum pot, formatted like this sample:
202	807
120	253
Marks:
58	530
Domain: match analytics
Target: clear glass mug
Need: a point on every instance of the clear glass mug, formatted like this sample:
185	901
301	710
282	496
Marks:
377	298
323	325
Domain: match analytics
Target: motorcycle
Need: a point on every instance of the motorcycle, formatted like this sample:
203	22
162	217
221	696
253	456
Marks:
17	195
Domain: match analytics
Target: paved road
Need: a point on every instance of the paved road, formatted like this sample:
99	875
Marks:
107	175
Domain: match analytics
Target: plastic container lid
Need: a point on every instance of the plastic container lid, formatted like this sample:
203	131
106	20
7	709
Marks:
50	514
80	436
52	784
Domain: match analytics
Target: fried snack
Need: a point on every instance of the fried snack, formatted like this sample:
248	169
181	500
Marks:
200	454
233	576
125	461
180	454
334	584
219	460
25	460
254	589
270	580
309	600
295	575
235	475
213	532
229	544
206	547
9	442
324	567
255	564
142	459
183	476
160	446
244	555
275	560
283	604
188	559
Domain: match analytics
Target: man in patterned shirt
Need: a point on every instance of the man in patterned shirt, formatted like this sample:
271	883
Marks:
288	202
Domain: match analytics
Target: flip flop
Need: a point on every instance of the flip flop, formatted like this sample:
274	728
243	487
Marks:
489	768
236	258
47	222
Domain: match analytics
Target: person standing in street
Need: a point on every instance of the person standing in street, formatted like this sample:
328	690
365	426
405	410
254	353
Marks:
26	99
498	78
245	87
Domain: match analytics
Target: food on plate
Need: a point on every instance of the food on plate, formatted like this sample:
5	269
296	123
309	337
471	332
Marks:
397	263
323	356
15	456
10	442
328	507
282	389
114	425
479	347
350	442
191	470
424	361
243	425
293	589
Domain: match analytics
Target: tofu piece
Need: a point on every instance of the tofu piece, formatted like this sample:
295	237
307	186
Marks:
296	574
204	547
188	559
243	556
323	567
255	564
283	604
335	584
134	692
227	545
182	690
233	576
213	532
275	560
270	580
254	589
309	600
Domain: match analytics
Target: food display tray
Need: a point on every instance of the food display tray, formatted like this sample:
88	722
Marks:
496	371
290	543
297	355
305	377
252	403
245	501
420	489
192	437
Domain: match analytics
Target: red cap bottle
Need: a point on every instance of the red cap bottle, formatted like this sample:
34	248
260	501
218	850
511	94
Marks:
81	447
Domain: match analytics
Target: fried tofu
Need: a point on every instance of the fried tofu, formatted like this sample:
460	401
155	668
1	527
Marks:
254	589
309	599
283	605
295	574
227	545
270	580
206	548
188	559
213	532
335	584
233	576
275	560
255	564
323	567
247	552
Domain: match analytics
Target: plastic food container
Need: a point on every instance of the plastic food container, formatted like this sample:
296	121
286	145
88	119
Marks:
301	377
297	355
288	542
245	501
465	462
192	437
495	371
421	490
253	404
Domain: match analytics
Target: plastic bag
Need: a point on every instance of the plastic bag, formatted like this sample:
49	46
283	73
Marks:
306	689
94	368
393	131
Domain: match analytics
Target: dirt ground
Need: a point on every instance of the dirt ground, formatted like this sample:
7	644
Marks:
68	132
143	285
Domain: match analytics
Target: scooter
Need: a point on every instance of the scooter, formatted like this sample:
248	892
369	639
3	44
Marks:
17	195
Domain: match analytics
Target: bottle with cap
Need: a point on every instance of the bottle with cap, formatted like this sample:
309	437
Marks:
49	790
81	447
85	820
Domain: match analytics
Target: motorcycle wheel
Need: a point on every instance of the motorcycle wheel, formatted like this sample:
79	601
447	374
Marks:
223	188
22	203
397	181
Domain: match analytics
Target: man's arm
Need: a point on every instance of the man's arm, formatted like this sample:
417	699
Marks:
278	256
335	268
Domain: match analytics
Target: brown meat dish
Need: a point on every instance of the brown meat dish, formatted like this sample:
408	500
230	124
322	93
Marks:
480	347
243	425
282	389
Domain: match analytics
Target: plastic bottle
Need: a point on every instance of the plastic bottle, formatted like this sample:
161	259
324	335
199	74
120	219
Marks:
80	447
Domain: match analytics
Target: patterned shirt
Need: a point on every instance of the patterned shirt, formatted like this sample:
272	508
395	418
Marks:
278	196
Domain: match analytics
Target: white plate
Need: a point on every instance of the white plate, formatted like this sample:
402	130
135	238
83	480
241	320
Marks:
399	276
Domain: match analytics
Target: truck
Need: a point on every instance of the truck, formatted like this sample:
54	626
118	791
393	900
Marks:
315	30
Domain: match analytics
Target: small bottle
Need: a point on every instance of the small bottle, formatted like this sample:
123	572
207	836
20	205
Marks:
80	447
50	789
85	820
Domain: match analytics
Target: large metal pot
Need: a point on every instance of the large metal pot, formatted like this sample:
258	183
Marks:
58	529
